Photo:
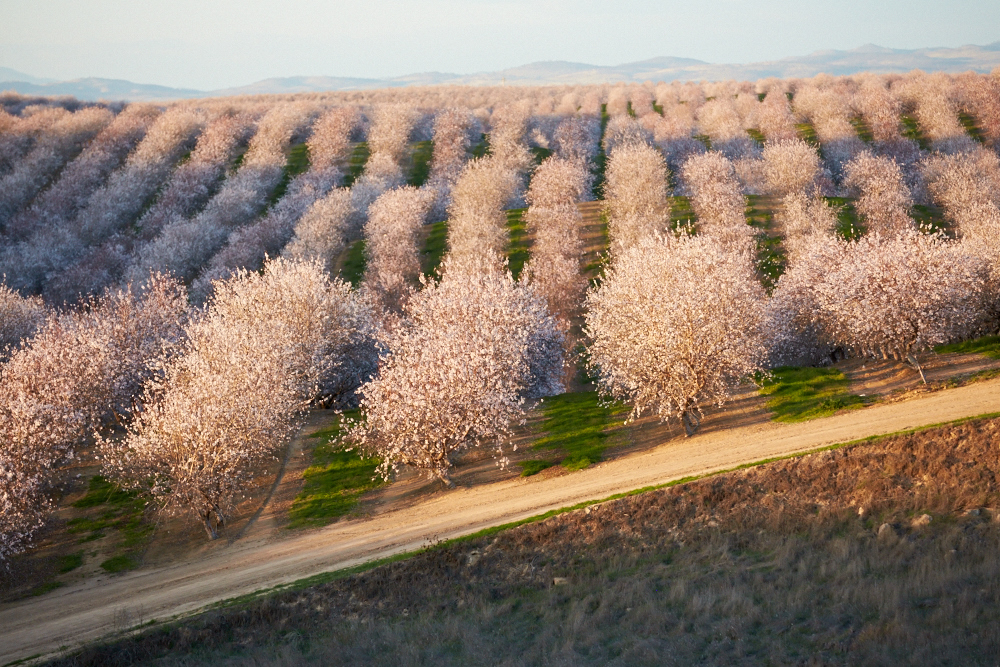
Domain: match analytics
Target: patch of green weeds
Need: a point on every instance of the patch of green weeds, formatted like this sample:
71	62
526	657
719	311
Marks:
576	426
757	136
930	218
971	127
70	562
534	466
987	345
47	587
237	160
682	215
434	248
120	563
110	508
334	482
355	261
807	133
803	393
771	257
863	129
849	226
911	130
629	109
704	139
481	147
601	159
356	163
101	491
517	248
540	153
297	163
658	108
422	154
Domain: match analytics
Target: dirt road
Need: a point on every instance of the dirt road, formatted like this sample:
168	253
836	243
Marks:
75	614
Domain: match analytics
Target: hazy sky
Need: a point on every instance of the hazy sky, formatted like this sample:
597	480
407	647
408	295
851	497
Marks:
218	43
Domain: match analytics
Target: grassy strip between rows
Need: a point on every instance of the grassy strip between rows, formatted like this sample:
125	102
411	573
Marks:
334	483
576	425
987	345
517	248
802	393
324	577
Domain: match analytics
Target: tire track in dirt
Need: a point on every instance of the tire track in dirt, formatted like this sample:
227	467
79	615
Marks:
91	609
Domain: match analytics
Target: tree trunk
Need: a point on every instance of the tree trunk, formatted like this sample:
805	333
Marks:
207	518
445	478
691	422
913	360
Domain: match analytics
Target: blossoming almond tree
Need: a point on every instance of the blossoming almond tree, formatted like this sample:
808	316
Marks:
391	234
554	220
476	219
896	296
471	349
674	325
718	200
635	195
80	368
883	197
253	360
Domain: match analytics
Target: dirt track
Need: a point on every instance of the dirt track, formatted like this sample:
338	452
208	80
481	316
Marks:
71	615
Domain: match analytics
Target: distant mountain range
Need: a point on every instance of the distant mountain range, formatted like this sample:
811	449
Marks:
865	58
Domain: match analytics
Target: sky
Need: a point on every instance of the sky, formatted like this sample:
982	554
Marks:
211	44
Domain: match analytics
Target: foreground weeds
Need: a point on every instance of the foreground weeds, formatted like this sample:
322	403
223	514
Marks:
879	553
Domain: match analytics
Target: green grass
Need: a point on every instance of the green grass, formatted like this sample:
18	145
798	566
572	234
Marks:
972	128
482	147
101	491
849	226
422	154
987	345
120	563
70	562
434	248
863	130
297	163
807	133
354	263
517	249
575	427
334	482
540	153
803	393
356	163
658	108
601	159
911	130
771	256
930	218
111	508
682	213
47	587
757	136
704	139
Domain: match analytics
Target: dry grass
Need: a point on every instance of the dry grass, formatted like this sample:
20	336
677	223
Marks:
814	560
